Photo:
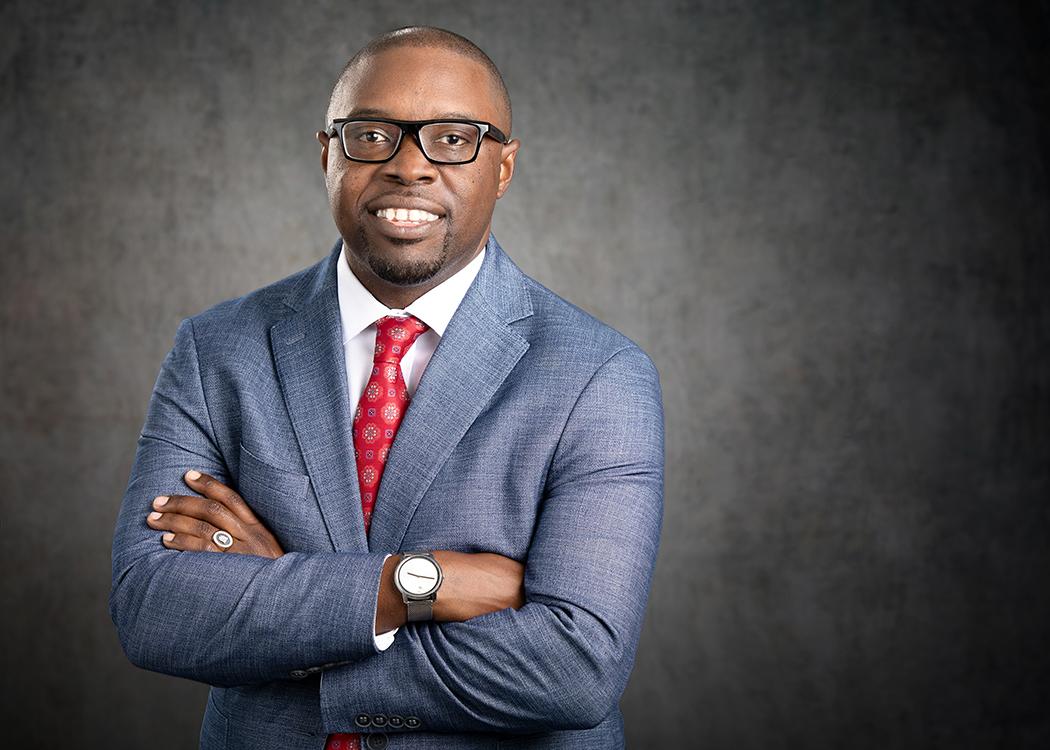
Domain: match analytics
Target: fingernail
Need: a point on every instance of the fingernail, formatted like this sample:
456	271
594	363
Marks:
193	475
159	501
168	536
154	516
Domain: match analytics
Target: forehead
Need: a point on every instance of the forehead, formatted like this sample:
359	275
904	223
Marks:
420	83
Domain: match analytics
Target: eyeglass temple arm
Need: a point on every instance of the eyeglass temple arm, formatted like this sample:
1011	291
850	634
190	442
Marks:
493	132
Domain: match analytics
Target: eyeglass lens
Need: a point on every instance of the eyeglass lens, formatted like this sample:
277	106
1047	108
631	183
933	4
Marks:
441	141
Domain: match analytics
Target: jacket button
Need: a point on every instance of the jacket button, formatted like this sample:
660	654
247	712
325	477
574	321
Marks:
298	674
314	670
412	722
376	741
394	721
363	720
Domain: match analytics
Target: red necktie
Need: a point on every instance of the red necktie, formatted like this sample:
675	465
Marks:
379	414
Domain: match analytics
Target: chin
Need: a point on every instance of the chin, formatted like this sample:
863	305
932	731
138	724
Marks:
402	262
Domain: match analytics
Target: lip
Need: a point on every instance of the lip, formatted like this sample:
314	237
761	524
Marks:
397	232
394	231
395	201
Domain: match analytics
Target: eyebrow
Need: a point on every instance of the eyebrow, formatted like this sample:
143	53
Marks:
369	112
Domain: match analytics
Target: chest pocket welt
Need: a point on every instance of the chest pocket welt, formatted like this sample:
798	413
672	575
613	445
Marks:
282	501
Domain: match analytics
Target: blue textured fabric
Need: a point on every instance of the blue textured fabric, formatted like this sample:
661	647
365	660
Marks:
536	433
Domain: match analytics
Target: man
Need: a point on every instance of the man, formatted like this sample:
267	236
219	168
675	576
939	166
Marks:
436	487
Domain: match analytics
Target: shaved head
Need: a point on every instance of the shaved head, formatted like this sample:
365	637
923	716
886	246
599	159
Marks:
422	36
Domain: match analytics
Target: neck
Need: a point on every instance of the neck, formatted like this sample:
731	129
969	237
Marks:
394	296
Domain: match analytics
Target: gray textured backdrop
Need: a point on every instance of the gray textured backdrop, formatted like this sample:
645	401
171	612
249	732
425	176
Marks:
826	222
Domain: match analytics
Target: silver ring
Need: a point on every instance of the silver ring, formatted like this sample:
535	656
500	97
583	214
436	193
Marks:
222	539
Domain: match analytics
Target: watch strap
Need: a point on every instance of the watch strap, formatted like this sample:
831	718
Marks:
420	610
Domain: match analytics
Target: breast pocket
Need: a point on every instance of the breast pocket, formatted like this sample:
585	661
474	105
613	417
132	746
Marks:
284	503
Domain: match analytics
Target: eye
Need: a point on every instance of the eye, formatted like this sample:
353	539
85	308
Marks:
369	133
450	136
372	136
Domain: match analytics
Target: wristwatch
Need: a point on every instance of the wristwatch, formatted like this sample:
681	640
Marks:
418	578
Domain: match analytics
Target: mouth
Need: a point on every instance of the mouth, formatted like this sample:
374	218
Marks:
404	223
405	217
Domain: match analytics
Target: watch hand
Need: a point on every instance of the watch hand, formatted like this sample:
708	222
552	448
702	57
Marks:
429	578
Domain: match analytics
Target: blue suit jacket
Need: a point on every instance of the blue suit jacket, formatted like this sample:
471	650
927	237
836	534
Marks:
536	432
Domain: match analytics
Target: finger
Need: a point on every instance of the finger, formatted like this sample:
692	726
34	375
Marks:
187	542
206	509
211	487
180	524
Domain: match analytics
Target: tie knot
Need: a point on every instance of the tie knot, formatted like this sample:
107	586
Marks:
394	335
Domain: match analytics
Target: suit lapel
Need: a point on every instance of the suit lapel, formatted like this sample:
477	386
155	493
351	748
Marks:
308	352
476	354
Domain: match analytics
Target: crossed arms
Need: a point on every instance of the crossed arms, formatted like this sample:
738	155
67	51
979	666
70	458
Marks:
474	583
557	657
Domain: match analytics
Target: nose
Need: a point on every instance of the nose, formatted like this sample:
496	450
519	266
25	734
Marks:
409	165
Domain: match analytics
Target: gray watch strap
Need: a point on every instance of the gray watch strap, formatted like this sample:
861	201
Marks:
420	611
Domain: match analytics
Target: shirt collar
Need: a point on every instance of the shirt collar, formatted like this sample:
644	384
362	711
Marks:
358	309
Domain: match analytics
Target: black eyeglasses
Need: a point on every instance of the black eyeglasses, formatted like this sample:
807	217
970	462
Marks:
377	140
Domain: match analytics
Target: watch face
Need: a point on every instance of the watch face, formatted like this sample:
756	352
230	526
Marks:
418	576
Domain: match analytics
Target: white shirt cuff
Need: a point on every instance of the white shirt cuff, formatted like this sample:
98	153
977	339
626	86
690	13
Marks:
383	640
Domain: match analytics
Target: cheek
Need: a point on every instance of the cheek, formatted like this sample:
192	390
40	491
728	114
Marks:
344	188
475	193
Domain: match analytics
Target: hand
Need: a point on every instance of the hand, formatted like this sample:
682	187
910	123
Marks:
192	520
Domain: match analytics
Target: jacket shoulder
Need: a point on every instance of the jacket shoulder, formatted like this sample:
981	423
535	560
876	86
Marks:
250	316
563	329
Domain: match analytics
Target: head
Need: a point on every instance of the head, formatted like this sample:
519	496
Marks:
419	73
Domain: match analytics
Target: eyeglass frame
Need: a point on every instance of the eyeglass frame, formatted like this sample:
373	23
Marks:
335	130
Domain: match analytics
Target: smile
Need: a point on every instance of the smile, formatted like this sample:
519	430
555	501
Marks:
406	217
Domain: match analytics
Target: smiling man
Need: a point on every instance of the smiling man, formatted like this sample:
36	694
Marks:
411	223
423	493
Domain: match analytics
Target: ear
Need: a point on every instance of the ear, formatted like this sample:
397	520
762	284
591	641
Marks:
323	138
506	165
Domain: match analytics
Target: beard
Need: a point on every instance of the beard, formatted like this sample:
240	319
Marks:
402	271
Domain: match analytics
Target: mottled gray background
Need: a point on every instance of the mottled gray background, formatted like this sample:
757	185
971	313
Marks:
826	221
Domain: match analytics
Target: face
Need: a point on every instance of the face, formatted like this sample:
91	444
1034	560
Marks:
393	256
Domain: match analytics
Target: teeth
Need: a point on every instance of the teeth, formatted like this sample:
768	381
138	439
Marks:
406	214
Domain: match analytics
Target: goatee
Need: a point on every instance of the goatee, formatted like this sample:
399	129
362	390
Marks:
401	271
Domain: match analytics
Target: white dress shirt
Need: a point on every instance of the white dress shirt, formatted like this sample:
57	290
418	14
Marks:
358	312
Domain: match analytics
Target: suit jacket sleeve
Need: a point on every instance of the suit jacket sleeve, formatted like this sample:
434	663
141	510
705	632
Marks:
223	619
562	660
